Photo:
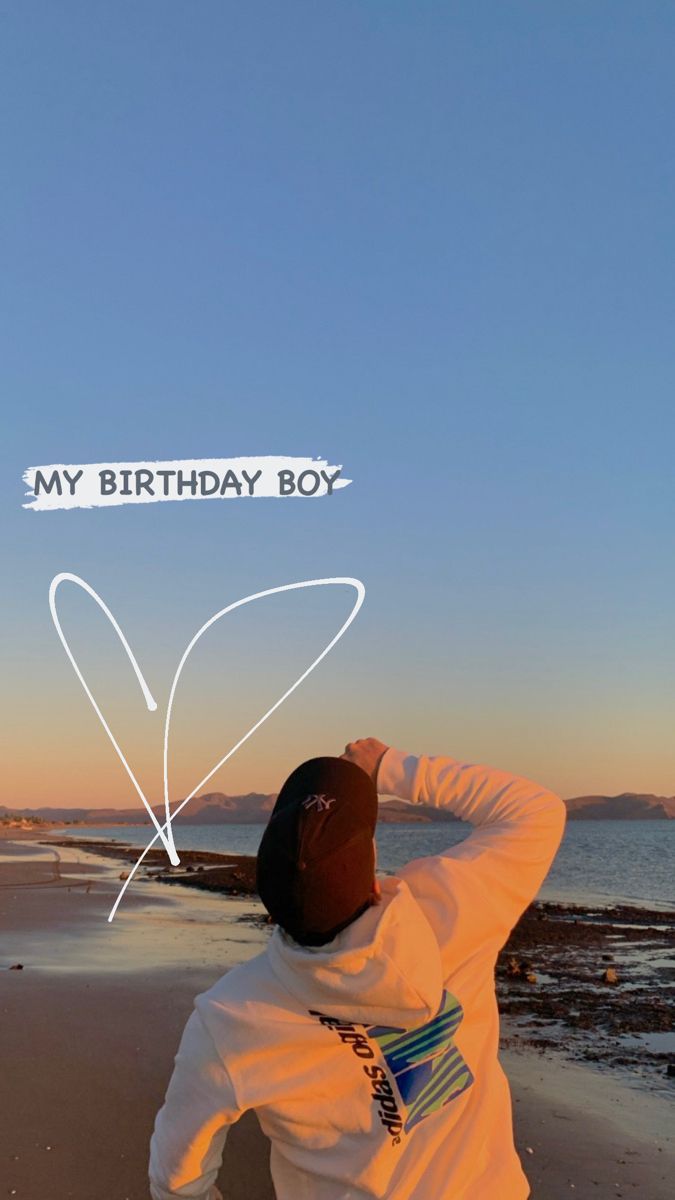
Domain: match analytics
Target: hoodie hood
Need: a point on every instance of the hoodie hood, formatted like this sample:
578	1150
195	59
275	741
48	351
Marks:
384	969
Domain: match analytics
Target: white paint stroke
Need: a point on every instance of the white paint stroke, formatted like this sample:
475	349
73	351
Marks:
91	485
165	831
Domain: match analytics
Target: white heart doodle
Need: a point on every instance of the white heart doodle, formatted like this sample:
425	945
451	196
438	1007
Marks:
165	831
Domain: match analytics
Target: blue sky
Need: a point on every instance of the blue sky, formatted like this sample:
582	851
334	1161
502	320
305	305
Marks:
431	242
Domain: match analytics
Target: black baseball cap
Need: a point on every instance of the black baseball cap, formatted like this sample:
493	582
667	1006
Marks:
316	860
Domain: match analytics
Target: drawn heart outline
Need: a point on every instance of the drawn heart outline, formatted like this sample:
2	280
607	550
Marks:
165	832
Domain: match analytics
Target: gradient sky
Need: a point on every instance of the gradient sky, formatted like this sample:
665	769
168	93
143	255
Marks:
431	242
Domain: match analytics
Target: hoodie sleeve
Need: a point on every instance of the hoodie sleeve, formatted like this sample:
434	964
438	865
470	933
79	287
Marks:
474	892
186	1147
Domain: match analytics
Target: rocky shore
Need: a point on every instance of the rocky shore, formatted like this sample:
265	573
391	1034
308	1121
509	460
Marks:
230	874
598	983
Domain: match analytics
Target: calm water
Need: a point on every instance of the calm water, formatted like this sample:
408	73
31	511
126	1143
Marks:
598	862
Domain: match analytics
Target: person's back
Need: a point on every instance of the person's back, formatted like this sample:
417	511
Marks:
371	1059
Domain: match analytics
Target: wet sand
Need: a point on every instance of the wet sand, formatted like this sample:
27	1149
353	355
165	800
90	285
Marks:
92	1021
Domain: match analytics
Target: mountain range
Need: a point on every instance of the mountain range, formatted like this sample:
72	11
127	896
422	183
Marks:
216	808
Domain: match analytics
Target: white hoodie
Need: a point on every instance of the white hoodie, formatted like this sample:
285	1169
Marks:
372	1062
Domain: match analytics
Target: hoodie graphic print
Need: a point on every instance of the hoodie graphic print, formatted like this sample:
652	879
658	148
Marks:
423	1065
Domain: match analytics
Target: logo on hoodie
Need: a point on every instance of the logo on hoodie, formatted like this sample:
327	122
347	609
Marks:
423	1064
382	1092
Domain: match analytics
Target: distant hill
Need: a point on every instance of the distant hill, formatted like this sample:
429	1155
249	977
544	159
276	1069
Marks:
628	806
216	808
213	808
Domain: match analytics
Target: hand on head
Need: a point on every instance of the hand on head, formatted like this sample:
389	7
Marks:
367	753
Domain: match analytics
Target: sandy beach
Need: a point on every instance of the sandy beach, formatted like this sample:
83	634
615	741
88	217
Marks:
92	1020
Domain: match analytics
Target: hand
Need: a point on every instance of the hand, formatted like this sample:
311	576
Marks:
215	1193
367	753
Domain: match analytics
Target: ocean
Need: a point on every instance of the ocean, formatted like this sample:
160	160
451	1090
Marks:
599	862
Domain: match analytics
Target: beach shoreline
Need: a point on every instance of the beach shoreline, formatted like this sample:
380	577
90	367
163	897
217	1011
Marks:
121	992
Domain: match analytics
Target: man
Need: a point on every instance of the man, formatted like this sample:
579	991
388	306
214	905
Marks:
365	1036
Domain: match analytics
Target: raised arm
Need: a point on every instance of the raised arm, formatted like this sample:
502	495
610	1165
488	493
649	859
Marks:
187	1144
476	891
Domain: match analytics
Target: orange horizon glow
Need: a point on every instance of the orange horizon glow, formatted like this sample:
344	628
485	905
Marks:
68	769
